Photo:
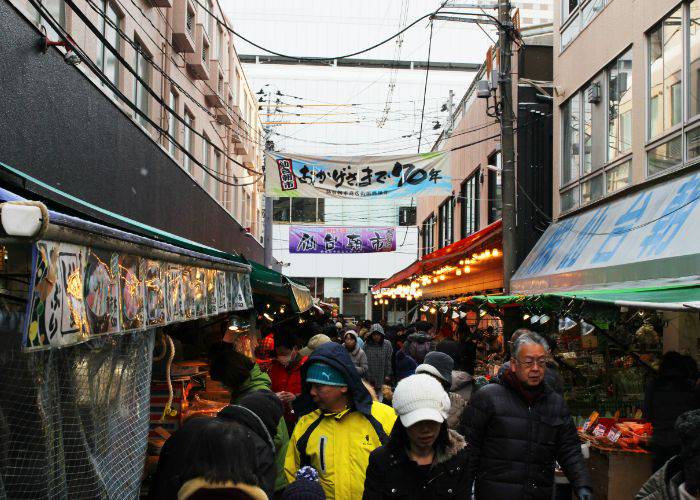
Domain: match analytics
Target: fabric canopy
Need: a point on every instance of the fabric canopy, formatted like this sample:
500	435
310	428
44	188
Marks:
269	283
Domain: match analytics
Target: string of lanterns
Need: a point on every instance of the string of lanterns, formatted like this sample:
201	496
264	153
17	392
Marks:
413	290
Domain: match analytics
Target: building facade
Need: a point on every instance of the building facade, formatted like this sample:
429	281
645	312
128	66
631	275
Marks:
178	148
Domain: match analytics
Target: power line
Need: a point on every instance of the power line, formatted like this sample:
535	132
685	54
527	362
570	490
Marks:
425	85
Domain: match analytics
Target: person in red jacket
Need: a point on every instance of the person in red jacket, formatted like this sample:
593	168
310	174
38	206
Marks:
285	373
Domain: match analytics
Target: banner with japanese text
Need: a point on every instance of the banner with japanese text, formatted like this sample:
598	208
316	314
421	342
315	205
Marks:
409	176
333	239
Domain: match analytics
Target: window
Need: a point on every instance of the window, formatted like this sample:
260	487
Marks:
428	232
618	177
219	44
142	67
620	106
189	22
188	141
248	211
495	196
407	216
571	148
106	59
592	189
576	15
469	194
665	62
665	156
694	54
207	7
206	146
57	10
205	53
295	210
446	215
172	123
569	199
217	174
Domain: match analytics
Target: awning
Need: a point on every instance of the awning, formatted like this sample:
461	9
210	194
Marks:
434	260
268	284
644	241
87	279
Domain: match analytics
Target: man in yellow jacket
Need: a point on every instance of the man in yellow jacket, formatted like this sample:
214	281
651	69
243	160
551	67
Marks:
339	424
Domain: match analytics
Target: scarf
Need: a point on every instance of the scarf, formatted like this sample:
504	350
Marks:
529	394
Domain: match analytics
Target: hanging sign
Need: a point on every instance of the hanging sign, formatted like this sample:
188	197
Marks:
332	239
78	293
426	174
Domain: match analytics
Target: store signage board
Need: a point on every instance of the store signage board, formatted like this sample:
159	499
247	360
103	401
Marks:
78	293
646	235
354	177
341	240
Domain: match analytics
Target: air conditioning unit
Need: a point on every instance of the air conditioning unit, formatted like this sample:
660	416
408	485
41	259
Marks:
184	21
593	93
198	61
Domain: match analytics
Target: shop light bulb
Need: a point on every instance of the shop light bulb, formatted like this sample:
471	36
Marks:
435	280
487	253
433	310
458	272
495	252
442	277
424	308
482	313
526	316
462	314
443	309
281	310
267	317
467	269
376	303
534	319
386	302
455	314
409	297
301	320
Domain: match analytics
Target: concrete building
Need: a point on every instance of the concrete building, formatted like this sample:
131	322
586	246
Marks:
99	142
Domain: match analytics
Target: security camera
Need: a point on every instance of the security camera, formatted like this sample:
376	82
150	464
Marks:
72	58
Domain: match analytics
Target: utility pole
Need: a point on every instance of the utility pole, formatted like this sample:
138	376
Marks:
450	110
505	85
267	223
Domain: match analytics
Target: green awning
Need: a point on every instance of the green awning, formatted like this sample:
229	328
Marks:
669	298
268	284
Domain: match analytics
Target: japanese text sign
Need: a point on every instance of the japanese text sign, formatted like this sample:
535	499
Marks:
425	174
332	239
645	235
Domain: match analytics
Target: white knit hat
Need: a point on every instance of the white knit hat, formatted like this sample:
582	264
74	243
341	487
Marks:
420	397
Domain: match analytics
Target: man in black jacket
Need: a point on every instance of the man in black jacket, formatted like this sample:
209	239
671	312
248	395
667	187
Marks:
517	427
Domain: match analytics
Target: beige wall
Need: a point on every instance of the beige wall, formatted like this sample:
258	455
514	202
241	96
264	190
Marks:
153	27
620	25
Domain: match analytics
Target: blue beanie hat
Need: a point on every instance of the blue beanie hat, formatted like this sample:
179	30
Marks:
323	374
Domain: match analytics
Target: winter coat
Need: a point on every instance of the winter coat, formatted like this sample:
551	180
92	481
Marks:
513	445
457	406
664	484
359	358
338	445
378	361
392	474
287	378
664	402
259	380
418	345
453	349
405	365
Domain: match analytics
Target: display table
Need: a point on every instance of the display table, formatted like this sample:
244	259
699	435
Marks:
618	474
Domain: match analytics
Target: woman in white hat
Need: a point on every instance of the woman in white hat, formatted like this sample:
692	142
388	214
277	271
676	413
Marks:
423	458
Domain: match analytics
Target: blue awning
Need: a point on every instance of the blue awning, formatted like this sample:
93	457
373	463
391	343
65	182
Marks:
645	239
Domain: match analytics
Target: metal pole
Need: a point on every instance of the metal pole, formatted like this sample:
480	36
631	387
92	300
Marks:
267	222
507	143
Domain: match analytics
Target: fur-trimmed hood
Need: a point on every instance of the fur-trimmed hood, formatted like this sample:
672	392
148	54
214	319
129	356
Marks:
455	444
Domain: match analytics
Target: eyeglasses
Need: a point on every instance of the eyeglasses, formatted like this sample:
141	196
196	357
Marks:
529	363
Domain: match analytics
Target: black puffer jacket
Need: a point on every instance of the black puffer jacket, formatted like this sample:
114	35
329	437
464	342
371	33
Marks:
391	474
513	447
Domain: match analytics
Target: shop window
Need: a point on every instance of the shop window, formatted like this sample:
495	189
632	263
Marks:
618	177
494	188
428	235
446	217
469	195
407	216
664	156
620	106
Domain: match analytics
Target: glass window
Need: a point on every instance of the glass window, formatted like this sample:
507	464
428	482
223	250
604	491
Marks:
217	173
692	140
428	231
106	59
694	52
568	6
188	141
142	68
446	224
618	177
665	156
590	10
570	32
304	210
172	124
494	187
620	106
407	216
665	63
57	9
587	134
592	189
470	205
569	199
571	140
205	161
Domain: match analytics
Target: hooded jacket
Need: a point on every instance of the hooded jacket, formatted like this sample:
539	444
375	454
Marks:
358	356
392	474
337	445
258	380
378	360
514	445
664	484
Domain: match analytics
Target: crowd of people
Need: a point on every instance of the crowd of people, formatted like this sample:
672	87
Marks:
350	411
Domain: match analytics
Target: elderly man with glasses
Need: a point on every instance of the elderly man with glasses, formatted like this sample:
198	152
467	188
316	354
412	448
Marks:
517	427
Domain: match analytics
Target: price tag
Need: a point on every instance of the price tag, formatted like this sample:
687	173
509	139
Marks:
599	430
614	434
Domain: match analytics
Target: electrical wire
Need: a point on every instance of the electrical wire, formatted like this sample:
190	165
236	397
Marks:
425	85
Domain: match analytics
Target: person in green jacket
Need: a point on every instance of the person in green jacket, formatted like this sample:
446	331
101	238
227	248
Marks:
241	376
